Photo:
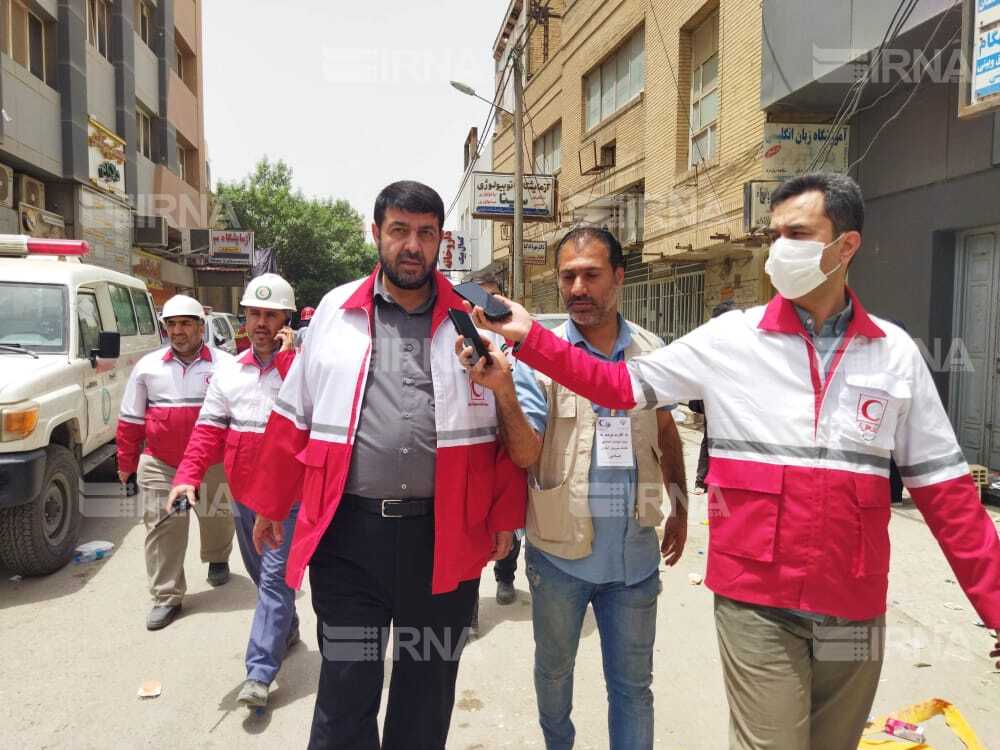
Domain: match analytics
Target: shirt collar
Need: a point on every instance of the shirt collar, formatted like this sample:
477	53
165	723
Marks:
832	326
381	291
780	316
576	338
205	354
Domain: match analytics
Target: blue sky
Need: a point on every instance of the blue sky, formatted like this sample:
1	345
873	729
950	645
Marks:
351	95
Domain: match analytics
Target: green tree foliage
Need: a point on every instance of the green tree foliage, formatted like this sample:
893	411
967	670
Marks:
320	243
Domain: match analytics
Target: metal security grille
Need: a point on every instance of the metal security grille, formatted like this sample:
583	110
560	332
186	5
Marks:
669	307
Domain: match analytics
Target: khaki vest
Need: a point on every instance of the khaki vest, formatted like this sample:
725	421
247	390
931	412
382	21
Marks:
559	519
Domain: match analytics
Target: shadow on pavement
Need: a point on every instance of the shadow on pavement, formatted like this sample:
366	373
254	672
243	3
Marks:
298	679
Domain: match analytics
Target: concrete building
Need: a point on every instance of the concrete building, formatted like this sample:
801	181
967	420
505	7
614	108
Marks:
102	134
474	235
647	112
931	257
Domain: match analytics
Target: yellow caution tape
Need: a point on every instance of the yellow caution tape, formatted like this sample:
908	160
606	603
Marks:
919	714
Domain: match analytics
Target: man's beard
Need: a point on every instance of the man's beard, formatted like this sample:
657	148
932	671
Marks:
592	316
406	279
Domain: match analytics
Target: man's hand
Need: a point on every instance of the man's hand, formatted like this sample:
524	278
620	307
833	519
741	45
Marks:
502	542
515	328
286	336
123	477
494	373
995	653
187	490
267	534
675	533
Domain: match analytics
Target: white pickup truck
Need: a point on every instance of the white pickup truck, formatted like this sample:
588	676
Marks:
70	334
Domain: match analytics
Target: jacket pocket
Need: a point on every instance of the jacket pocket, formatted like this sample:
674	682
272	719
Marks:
230	458
873	511
480	485
869	408
743	508
549	514
313	458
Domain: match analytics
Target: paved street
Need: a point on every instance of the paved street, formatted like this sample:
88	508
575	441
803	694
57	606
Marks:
74	652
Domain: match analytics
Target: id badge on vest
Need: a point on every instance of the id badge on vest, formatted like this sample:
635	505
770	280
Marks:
614	443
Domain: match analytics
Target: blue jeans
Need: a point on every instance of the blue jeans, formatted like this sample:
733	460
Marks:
626	621
274	617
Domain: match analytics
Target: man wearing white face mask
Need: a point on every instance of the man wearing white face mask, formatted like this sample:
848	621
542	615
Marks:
807	400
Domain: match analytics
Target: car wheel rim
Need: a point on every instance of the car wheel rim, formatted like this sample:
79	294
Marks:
55	510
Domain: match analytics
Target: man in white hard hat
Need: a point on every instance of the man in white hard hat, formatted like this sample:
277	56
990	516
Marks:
159	409
236	409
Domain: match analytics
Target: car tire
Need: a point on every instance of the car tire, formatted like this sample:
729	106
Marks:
39	537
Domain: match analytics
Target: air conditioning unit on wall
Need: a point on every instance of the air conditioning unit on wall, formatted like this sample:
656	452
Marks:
31	191
36	222
6	186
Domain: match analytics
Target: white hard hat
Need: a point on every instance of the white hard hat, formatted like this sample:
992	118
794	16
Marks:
181	304
269	291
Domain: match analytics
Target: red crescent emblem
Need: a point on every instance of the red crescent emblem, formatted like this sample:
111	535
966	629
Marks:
872	405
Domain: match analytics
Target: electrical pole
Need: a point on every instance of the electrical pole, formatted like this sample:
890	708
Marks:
518	242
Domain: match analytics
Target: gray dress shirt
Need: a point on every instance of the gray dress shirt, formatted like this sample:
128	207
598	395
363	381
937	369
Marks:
395	447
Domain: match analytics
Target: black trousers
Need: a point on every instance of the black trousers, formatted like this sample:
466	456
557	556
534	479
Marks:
505	569
369	572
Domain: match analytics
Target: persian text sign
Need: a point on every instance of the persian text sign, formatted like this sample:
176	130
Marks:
791	149
493	196
231	248
107	158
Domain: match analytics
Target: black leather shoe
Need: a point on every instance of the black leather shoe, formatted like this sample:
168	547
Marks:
218	573
506	594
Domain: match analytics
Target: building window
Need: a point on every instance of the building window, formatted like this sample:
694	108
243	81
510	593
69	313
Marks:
182	162
179	62
99	26
617	82
25	38
144	22
547	151
144	134
704	118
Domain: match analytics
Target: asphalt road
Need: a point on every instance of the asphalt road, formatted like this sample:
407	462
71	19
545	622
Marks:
74	651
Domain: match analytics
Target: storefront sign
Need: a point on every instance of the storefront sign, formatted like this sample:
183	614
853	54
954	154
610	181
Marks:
148	268
986	50
534	253
107	158
793	149
493	196
757	204
231	248
454	253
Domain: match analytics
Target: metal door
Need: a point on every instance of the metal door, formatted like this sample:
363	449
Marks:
975	392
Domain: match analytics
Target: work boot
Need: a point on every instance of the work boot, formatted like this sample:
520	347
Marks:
505	592
218	573
161	615
253	694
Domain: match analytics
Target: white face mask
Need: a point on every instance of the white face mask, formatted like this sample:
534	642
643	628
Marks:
794	266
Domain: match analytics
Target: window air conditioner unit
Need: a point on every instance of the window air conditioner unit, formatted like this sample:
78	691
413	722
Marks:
150	231
36	222
31	191
195	241
6	186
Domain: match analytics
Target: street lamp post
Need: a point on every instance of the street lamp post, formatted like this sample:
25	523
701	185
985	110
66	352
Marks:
518	114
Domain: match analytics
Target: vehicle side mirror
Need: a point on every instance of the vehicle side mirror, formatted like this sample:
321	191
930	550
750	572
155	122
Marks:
109	345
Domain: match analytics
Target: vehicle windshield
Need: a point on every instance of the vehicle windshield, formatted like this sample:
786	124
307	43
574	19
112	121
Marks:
33	316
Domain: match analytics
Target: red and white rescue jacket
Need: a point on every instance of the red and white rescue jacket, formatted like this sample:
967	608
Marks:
310	436
798	476
235	413
161	404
